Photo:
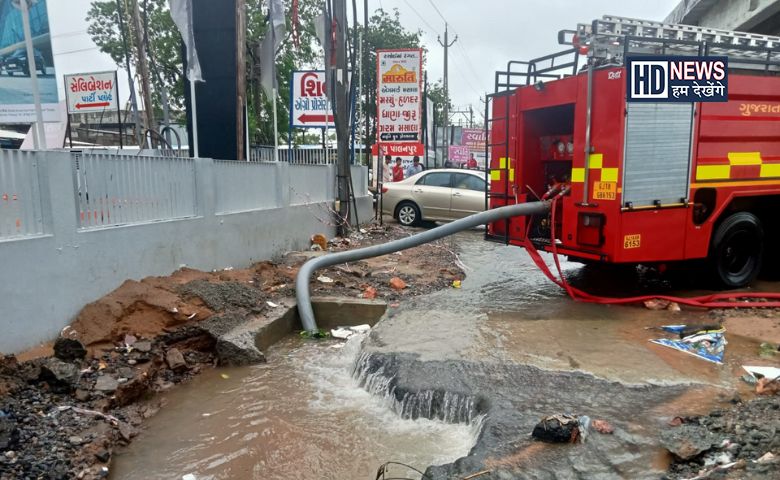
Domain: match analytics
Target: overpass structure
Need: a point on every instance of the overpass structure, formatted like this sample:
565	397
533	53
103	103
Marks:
755	16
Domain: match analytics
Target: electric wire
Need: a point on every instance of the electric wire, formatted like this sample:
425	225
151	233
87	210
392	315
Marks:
433	30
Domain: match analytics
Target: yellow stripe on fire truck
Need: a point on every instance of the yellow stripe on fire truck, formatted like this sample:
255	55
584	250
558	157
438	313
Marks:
495	173
596	162
737	159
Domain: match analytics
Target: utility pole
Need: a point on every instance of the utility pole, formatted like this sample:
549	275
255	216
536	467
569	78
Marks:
339	80
39	132
143	68
446	46
133	102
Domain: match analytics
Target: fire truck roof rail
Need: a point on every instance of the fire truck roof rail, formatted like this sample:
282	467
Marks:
548	67
613	38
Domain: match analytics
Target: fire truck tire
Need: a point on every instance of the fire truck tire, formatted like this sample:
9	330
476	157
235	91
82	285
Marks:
737	250
408	214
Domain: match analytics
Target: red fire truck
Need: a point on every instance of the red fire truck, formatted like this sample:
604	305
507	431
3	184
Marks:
640	183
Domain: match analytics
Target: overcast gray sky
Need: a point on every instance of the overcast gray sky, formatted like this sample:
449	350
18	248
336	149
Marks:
490	32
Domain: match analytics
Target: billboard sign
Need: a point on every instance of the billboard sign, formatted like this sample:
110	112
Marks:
16	98
91	92
677	79
474	138
458	154
309	106
399	95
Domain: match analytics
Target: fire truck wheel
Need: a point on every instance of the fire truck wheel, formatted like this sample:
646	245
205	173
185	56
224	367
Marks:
737	249
408	214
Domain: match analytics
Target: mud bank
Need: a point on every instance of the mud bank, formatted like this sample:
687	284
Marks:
66	405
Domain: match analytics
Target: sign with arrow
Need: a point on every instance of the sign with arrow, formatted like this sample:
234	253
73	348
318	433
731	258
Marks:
92	92
309	106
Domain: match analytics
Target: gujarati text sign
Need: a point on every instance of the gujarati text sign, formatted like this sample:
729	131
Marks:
309	106
91	92
399	95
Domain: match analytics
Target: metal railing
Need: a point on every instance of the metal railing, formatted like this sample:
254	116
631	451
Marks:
300	156
20	195
126	189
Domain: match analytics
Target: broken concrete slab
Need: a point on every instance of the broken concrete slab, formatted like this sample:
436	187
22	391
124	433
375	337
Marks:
61	376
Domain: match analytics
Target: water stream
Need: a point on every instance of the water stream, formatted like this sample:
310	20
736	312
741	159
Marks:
302	415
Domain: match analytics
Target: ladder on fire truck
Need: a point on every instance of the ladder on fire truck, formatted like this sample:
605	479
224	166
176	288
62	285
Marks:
607	42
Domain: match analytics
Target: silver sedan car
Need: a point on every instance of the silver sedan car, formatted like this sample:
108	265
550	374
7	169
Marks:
444	195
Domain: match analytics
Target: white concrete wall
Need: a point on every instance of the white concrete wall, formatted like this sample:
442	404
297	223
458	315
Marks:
50	276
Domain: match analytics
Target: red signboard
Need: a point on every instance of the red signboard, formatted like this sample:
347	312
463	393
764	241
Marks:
399	149
474	138
458	154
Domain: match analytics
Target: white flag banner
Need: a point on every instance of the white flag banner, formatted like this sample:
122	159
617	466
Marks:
273	38
181	13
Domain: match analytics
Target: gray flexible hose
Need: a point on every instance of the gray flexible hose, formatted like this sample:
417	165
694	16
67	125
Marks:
304	274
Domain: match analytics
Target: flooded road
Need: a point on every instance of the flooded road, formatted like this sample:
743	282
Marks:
497	354
301	416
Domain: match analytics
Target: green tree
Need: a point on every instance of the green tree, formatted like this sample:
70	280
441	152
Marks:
161	37
385	31
437	96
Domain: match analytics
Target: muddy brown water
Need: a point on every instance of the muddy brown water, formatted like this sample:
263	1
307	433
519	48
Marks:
303	415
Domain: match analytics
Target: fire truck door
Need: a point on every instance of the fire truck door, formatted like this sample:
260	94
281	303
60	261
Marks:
657	154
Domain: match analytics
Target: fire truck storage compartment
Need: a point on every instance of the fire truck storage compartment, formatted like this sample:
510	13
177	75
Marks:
546	148
657	154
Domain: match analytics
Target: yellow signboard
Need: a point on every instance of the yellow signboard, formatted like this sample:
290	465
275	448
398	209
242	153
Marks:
632	241
604	190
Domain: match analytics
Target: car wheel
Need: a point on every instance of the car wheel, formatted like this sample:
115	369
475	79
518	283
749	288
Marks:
737	250
408	214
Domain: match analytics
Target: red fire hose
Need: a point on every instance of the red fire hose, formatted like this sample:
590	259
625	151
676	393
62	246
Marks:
715	300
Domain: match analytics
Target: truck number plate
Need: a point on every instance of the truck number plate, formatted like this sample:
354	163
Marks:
632	241
604	190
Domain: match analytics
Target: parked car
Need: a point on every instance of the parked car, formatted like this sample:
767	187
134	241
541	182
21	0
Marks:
442	195
17	62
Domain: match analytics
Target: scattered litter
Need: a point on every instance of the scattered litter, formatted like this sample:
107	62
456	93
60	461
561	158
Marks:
456	284
766	458
319	333
227	269
344	333
673	307
315	248
337	346
112	419
188	476
102	365
656	304
191	316
705	344
369	292
320	240
224	376
602	426
324	279
363	231
271	304
397	253
557	429
394	305
174	310
762	372
767	386
397	283
130	340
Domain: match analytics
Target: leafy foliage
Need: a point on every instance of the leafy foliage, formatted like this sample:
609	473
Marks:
385	31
